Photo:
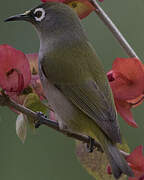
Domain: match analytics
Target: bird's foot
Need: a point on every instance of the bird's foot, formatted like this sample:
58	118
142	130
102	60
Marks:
40	121
90	146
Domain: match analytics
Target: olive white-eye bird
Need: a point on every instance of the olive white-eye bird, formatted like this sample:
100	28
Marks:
74	80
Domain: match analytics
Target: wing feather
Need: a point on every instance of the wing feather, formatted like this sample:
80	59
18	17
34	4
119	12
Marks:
89	99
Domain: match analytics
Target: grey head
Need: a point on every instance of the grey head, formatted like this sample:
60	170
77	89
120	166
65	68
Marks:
53	19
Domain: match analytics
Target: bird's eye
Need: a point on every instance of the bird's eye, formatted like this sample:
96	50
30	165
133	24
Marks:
39	14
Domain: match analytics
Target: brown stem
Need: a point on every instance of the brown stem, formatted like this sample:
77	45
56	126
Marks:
112	27
6	101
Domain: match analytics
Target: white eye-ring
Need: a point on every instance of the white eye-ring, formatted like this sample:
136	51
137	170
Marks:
39	14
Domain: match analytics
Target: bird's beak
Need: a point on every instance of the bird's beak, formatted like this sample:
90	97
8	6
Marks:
19	17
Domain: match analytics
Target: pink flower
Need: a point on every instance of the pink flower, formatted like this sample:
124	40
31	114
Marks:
15	72
82	7
34	85
127	82
136	162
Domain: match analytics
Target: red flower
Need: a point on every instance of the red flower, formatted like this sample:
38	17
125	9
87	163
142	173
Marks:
52	1
34	85
127	82
15	72
136	162
82	7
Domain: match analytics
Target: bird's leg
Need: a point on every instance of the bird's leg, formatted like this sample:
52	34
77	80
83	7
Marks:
90	146
40	121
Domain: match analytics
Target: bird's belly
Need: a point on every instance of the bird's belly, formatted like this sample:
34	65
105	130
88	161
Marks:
58	102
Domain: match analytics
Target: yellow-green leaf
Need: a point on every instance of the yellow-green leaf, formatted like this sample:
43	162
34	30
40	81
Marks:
34	103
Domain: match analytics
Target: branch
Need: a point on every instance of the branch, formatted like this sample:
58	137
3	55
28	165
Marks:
112	27
6	101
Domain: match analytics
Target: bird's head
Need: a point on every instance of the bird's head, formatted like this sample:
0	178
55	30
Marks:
50	17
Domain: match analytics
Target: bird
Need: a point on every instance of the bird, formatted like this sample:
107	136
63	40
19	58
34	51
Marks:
74	80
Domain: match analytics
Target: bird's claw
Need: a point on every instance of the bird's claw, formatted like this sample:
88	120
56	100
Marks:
90	146
40	117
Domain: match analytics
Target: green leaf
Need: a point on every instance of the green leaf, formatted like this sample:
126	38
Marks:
95	163
21	127
34	103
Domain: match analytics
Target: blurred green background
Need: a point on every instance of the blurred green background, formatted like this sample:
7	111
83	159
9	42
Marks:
48	154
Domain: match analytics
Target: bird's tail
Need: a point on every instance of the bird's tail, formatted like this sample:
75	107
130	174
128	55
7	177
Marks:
117	161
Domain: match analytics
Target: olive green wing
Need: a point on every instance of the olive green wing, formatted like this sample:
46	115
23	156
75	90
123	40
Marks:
79	75
91	100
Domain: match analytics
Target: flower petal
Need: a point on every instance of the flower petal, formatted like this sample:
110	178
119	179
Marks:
129	78
21	127
82	7
137	101
123	108
15	72
111	76
109	171
52	1
136	159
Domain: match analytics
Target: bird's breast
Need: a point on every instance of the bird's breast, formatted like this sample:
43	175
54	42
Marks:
58	102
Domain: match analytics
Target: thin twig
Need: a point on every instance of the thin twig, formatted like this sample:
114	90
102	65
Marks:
6	101
112	27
